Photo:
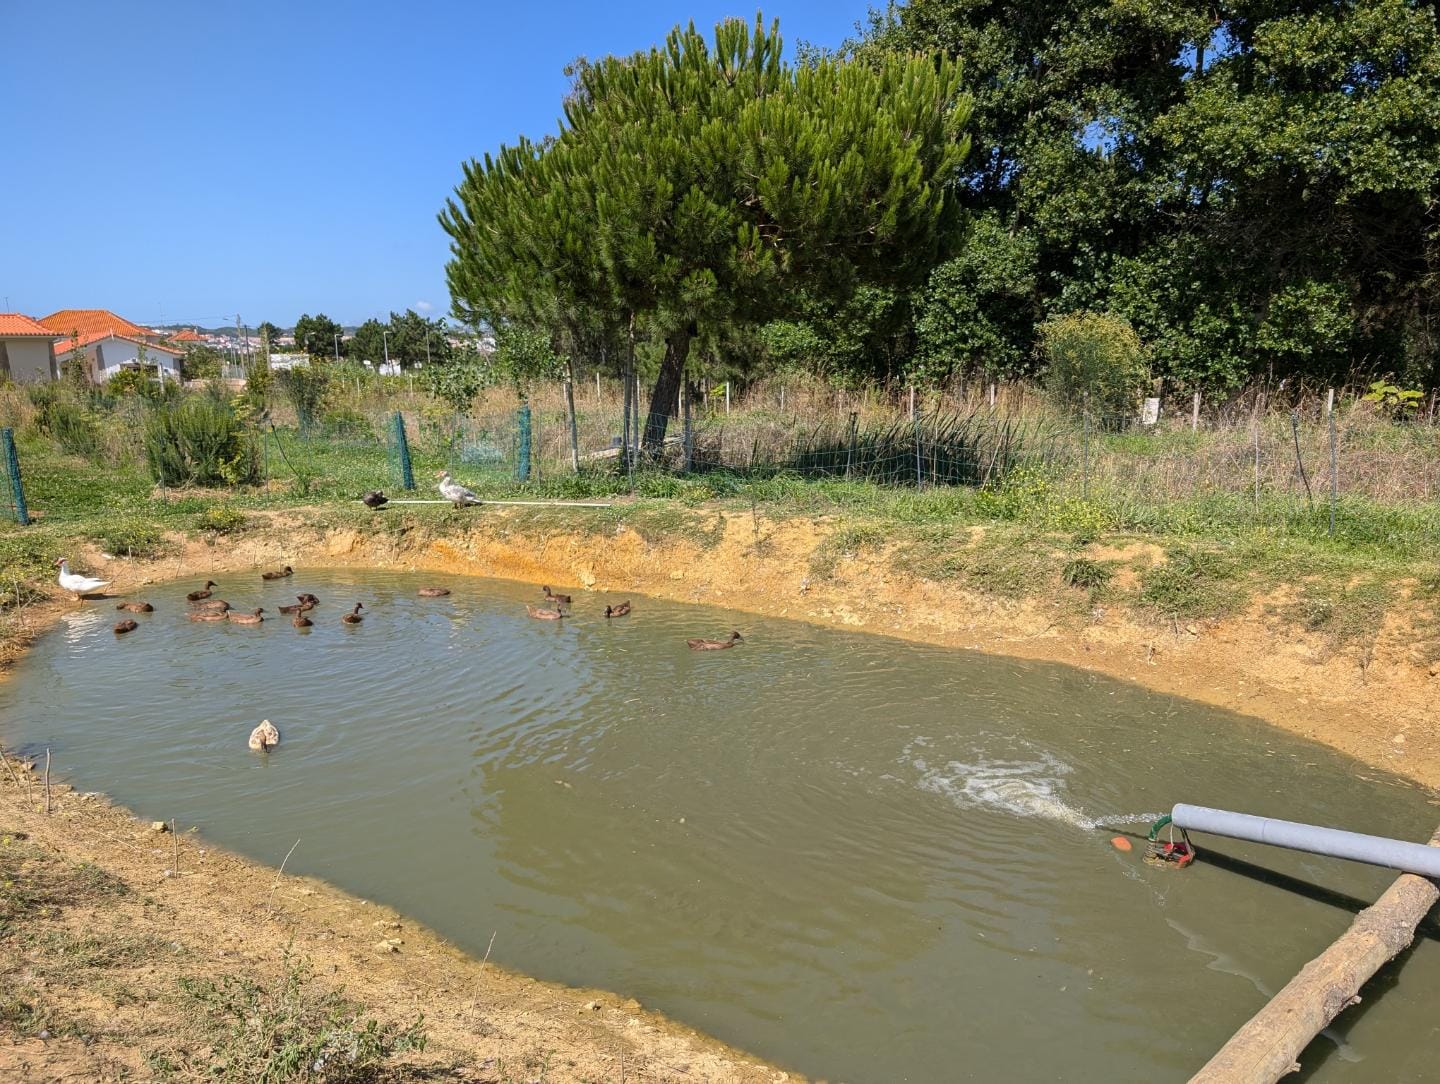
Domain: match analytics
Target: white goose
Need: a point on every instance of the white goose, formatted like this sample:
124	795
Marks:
77	585
454	492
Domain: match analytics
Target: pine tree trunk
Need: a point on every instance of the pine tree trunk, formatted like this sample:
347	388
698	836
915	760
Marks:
570	414
665	399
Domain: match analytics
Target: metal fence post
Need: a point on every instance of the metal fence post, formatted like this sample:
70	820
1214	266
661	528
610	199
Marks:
1085	449
1334	471
918	465
522	459
402	452
850	450
12	468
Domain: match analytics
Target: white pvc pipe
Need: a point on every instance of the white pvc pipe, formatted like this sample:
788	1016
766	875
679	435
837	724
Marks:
1331	842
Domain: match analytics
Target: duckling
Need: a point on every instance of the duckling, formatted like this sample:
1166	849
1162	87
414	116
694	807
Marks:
300	621
715	645
618	611
433	592
247	619
128	625
374	499
299	606
278	574
206	615
204	592
264	737
136	607
550	596
354	617
540	613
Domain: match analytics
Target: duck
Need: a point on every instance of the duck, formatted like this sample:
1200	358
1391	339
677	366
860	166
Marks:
454	492
374	499
433	592
308	597
136	607
618	611
551	596
264	737
278	574
77	585
207	615
128	625
218	605
715	645
540	613
300	621
354	617
204	592
298	607
252	618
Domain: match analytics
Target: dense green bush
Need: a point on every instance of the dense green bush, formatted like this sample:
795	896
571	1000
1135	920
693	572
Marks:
200	442
305	386
1096	362
68	421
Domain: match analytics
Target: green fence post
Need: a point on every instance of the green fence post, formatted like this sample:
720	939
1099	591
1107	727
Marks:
402	450
12	467
522	458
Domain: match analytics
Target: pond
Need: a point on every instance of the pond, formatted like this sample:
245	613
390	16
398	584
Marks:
862	858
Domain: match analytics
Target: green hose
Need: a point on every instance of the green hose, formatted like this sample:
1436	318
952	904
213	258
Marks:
1155	828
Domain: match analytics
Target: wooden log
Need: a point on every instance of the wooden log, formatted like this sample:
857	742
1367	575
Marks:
1269	1045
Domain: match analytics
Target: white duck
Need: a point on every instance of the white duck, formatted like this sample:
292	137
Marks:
454	492
264	737
77	585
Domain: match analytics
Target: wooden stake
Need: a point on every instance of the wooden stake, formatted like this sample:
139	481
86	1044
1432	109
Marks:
1330	402
280	873
1195	414
47	782
174	849
1267	1047
13	777
912	402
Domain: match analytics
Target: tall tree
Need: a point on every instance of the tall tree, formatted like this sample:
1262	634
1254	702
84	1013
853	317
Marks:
368	343
414	340
706	184
316	335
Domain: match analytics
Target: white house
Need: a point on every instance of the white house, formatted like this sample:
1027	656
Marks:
26	355
109	343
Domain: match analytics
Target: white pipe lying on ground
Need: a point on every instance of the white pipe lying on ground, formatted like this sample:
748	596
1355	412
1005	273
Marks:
1332	842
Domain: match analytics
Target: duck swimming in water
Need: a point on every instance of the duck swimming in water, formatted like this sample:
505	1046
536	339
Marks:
252	618
540	613
264	737
618	611
128	625
354	617
136	607
204	592
715	645
278	574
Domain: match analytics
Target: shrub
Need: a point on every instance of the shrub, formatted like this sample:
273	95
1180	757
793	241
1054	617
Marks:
221	519
130	538
1094	358
305	387
71	425
1085	573
293	1031
200	442
1191	583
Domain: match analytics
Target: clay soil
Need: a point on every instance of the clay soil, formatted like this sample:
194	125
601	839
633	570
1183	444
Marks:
224	915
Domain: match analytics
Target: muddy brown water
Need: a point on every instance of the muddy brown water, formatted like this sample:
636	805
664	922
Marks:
865	859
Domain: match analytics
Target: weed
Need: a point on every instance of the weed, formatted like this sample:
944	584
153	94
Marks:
130	538
844	542
221	519
1191	583
289	1031
1085	573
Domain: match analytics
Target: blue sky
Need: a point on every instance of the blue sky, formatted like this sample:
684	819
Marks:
187	161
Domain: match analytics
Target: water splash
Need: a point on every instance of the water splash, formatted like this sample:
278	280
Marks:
1023	788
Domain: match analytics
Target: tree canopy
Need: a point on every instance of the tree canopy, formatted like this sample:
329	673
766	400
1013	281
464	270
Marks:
709	184
315	335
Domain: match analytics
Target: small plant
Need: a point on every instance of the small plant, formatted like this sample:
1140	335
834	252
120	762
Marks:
305	386
70	425
1087	574
1394	400
293	1031
1021	494
221	519
200	442
130	538
1191	583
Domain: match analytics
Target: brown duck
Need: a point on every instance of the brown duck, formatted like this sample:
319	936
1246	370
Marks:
550	596
128	625
217	604
207	615
308	597
136	607
618	611
433	592
204	592
300	621
278	574
252	618
540	613
354	617
715	645
299	606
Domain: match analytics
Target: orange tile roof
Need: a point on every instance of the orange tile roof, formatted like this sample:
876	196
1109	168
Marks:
186	336
14	325
66	346
90	321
